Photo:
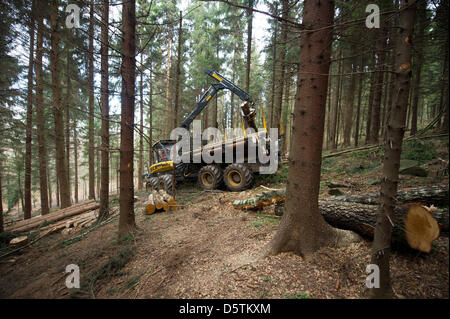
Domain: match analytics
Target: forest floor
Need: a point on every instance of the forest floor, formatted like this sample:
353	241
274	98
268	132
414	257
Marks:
208	249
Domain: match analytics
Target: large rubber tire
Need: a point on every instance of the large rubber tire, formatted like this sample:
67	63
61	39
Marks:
165	182
238	177
152	184
210	177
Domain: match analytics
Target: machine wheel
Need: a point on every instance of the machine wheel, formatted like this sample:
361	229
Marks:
210	177
165	182
152	184
238	177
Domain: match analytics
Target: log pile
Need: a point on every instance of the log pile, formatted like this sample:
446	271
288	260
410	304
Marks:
414	222
159	201
56	216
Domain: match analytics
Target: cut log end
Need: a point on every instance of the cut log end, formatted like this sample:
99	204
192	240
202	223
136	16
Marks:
19	241
421	228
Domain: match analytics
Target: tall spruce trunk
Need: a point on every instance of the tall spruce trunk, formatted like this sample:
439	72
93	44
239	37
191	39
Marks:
303	230
376	106
67	106
393	148
178	73
282	72
29	121
91	154
249	44
168	86
127	221
350	98
419	41
358	107
75	159
61	167
42	150
141	125
104	104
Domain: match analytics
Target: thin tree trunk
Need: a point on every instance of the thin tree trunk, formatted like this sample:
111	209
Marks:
67	107
369	107
126	199
150	110
336	106
282	57
61	168
393	148
75	157
303	229
91	154
29	121
104	104
141	125
376	106
178	73
350	98
40	111
1	201
358	107
249	44
168	93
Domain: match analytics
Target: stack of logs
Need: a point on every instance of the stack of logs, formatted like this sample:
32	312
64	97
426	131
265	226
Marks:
69	220
416	220
159	201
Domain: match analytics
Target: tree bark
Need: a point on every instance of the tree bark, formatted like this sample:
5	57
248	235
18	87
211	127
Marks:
178	73
104	104
40	110
91	154
141	125
75	158
282	72
350	98
67	106
61	168
29	121
127	221
1	202
376	107
303	230
393	147
249	44
168	93
358	107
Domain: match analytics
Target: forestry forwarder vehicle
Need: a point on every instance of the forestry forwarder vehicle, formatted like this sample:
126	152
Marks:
236	176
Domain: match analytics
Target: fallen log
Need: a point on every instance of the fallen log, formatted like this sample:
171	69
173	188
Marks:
43	217
53	217
415	225
426	195
149	205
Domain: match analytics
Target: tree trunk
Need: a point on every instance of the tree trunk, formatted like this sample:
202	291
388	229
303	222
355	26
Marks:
369	107
67	106
249	44
61	168
350	98
91	153
336	106
303	230
419	41
358	107
150	110
104	104
141	125
75	157
40	111
126	199
376	107
282	72
393	147
168	93
178	73
29	121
